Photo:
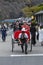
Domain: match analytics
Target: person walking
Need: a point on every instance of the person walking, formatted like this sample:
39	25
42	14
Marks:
3	32
33	33
37	31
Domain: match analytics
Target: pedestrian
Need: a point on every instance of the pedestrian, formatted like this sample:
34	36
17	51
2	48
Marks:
41	35
23	39
33	33
37	31
3	31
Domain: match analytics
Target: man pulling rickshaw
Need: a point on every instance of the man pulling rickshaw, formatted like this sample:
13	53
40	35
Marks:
23	39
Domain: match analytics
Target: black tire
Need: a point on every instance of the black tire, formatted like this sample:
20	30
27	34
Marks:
12	45
30	46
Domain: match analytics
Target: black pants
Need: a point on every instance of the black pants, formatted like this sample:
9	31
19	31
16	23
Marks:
38	36
3	37
25	46
33	40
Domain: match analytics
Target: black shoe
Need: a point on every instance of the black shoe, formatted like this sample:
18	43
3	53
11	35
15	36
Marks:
30	50
22	51
26	53
33	44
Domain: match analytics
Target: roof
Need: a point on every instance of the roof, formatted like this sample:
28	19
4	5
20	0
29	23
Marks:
40	12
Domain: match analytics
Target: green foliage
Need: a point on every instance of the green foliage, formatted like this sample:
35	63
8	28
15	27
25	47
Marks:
40	4
28	10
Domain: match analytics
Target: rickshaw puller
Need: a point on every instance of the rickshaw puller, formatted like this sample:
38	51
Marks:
23	39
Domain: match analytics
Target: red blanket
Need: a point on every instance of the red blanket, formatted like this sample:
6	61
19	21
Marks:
16	34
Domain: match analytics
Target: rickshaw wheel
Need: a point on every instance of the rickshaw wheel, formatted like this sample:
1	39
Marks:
30	46
12	45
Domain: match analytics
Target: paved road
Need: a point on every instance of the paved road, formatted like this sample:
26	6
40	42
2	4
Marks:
21	60
6	47
17	57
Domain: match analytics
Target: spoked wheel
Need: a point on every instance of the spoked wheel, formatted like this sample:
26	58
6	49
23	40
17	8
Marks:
30	46
12	45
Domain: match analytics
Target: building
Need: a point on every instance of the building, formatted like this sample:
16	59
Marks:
39	17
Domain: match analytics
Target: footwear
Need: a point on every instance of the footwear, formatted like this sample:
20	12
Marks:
22	51
26	53
33	44
30	50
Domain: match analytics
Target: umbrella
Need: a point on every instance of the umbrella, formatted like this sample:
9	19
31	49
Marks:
16	34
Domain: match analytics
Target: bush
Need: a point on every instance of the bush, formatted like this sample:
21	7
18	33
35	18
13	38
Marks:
40	4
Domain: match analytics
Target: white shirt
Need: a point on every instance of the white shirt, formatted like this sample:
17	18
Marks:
40	35
26	36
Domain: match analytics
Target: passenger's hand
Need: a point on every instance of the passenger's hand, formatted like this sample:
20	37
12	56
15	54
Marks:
27	40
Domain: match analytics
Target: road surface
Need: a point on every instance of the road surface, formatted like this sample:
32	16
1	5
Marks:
17	57
38	60
6	48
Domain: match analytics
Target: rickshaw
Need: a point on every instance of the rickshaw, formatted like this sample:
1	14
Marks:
16	41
